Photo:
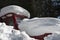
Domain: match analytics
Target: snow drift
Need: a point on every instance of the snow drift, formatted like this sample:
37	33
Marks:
8	33
14	9
39	26
54	36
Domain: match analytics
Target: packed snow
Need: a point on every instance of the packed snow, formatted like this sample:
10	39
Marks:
39	26
14	9
54	36
8	33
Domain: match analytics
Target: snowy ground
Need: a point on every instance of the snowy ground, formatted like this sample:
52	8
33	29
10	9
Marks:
54	36
8	33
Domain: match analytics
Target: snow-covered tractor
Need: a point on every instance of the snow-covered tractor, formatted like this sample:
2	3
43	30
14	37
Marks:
13	15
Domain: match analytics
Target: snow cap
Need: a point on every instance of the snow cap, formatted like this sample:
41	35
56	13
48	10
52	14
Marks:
14	9
40	26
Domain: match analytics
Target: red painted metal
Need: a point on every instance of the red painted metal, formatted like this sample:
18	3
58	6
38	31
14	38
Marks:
15	24
13	18
41	37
